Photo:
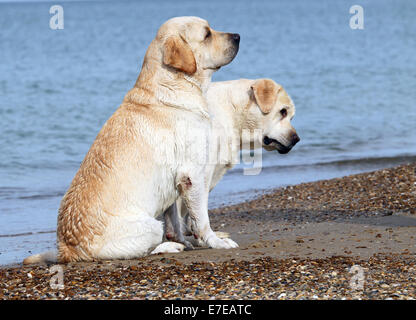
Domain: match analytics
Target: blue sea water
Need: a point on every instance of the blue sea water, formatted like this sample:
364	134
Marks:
355	92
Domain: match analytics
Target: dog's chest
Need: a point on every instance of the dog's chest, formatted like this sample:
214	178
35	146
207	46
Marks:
192	139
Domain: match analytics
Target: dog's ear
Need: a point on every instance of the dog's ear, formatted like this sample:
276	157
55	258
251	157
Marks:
178	54
265	92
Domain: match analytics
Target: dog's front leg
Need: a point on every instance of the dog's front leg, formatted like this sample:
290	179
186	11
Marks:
194	192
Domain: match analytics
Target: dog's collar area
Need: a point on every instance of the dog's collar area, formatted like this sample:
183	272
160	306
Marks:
184	108
193	81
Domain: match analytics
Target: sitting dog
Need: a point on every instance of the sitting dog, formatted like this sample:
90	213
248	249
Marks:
236	106
145	155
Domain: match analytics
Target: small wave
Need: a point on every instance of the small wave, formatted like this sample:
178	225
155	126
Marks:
25	234
358	162
41	196
5	191
11	194
373	160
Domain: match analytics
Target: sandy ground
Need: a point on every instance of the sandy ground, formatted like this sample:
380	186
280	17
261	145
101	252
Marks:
359	216
296	242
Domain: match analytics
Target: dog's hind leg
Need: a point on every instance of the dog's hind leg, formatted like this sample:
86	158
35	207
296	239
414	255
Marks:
129	237
169	247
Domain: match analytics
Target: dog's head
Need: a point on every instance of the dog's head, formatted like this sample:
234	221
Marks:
191	46
273	109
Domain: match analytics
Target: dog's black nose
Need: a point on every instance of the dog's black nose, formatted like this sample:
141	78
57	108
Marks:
236	37
295	139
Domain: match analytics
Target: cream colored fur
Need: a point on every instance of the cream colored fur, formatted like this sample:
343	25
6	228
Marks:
148	153
237	106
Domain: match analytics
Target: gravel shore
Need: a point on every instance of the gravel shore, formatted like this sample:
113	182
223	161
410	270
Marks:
346	238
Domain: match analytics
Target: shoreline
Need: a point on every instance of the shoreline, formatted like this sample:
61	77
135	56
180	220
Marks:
295	242
39	235
232	190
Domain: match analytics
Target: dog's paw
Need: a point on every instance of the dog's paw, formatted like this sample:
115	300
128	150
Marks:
222	235
188	245
168	247
231	242
173	238
196	242
217	243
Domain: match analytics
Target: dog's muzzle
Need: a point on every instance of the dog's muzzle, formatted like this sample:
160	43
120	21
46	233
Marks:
281	148
236	38
231	52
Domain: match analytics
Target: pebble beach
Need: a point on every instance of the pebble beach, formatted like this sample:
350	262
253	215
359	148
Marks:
344	238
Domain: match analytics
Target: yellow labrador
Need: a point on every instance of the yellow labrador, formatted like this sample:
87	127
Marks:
238	106
145	155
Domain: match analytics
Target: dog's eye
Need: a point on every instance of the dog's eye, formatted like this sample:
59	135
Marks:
283	112
208	34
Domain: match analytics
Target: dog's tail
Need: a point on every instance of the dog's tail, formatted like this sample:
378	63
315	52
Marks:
46	257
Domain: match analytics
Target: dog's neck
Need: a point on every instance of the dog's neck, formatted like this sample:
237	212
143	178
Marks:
234	115
184	92
194	82
157	85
